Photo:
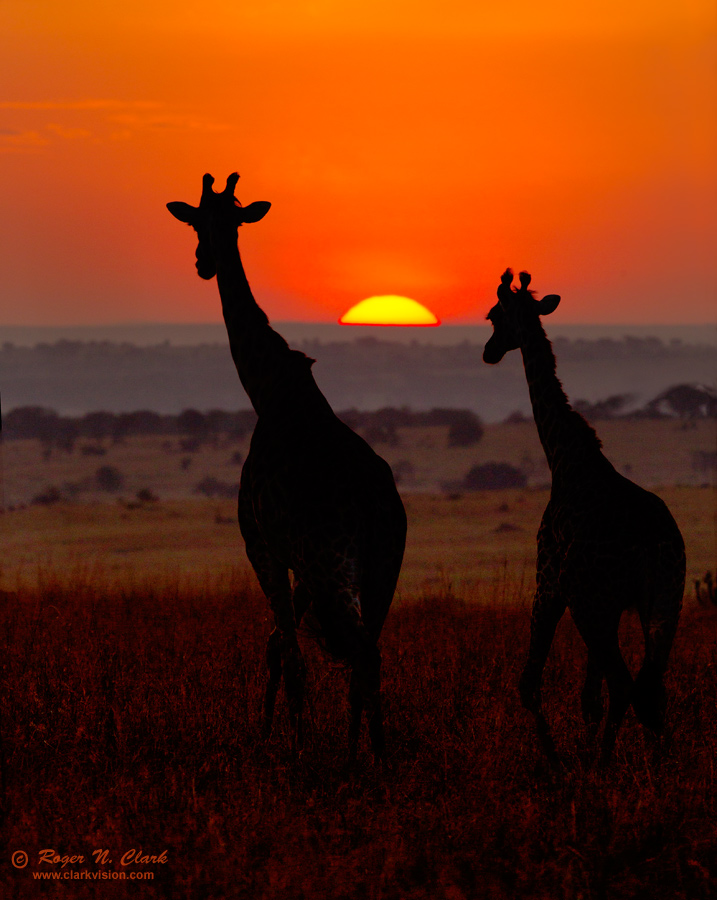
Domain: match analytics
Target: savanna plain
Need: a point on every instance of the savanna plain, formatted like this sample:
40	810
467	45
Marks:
133	636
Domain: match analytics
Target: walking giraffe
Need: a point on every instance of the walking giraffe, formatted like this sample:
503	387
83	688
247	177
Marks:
604	544
314	498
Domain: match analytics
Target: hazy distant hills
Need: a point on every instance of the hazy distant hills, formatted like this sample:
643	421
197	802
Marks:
145	334
360	368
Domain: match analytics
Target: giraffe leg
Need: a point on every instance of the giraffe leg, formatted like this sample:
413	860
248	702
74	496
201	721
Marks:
284	657
591	699
547	611
373	702
273	661
659	625
649	699
356	707
294	669
365	693
600	633
283	654
619	682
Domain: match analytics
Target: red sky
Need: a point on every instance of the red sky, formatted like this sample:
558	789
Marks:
408	147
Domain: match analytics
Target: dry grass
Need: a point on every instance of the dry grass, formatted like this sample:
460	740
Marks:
130	714
132	665
467	541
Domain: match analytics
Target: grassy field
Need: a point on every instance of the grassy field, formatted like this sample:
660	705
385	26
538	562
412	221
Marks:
469	541
654	453
130	722
460	536
132	666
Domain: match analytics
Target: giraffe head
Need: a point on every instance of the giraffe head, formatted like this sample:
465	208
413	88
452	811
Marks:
515	308
216	212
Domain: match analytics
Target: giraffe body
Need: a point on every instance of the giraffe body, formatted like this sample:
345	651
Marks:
314	499
604	544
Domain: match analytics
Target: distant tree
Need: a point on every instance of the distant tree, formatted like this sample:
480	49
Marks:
142	421
687	401
212	487
465	430
192	423
493	476
65	435
53	431
97	425
440	416
517	417
380	426
609	408
219	421
109	478
30	422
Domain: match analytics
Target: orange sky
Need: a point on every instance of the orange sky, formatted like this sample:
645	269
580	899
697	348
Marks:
407	147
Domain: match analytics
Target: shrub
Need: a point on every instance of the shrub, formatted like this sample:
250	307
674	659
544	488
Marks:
47	497
517	417
212	487
494	476
109	478
30	422
92	450
465	430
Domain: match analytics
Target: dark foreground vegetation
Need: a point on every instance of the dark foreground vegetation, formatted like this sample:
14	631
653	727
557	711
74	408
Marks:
129	721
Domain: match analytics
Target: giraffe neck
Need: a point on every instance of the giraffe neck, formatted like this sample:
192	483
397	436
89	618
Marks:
271	373
563	432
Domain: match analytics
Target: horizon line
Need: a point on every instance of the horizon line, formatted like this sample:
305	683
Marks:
138	323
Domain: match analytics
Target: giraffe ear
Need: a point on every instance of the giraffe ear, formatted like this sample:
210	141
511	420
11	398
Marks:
183	211
548	304
254	212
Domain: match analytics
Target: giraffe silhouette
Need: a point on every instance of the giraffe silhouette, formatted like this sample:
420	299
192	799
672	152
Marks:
604	544
314	498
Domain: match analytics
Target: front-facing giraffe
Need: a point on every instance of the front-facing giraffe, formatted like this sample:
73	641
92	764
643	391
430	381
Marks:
604	544
314	498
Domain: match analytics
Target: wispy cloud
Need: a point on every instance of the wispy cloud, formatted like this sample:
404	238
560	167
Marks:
97	119
78	105
167	120
68	133
12	141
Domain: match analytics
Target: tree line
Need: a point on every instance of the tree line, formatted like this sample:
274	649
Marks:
195	428
687	402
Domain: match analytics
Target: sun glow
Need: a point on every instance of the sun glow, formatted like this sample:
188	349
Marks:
389	310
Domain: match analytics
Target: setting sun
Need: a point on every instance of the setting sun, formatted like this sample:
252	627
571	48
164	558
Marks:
389	310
